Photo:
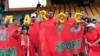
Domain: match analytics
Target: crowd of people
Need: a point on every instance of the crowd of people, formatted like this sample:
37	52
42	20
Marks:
51	37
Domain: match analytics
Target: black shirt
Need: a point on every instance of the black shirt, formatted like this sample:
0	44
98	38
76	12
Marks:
87	19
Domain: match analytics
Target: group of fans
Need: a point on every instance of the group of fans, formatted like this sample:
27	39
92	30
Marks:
51	37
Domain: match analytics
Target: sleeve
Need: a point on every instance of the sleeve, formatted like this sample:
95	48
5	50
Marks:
15	35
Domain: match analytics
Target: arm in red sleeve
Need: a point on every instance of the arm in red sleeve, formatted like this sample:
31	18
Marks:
15	35
98	40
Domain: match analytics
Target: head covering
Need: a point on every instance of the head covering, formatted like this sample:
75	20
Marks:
25	27
33	15
91	25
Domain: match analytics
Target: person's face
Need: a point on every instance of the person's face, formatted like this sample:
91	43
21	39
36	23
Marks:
33	18
67	14
83	13
90	29
15	22
50	14
24	31
94	22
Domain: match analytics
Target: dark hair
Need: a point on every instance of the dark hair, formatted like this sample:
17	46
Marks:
21	20
36	14
50	10
14	20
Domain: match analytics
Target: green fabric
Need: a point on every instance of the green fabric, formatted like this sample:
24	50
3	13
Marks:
1	9
25	27
11	52
2	53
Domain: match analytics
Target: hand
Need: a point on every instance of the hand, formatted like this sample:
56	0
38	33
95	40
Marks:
90	44
19	29
82	21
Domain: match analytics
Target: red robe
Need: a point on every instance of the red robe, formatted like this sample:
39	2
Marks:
21	49
49	36
46	36
70	21
33	32
11	42
92	37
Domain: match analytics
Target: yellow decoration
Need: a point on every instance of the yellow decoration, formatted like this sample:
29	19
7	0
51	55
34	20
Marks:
27	19
8	18
61	17
94	18
42	15
76	17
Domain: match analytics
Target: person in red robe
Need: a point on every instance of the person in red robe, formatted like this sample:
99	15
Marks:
47	29
25	47
70	19
33	31
92	39
11	42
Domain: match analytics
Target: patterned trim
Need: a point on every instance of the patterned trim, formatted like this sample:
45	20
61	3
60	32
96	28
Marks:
59	27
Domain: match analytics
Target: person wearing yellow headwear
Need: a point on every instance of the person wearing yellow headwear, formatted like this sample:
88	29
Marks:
10	30
47	29
50	18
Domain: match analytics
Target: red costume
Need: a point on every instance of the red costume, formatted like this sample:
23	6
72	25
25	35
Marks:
46	36
11	42
33	32
92	37
24	44
70	21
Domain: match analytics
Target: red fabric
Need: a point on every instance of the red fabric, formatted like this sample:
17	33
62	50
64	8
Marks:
33	31
46	35
49	36
11	42
70	21
68	36
92	37
21	50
